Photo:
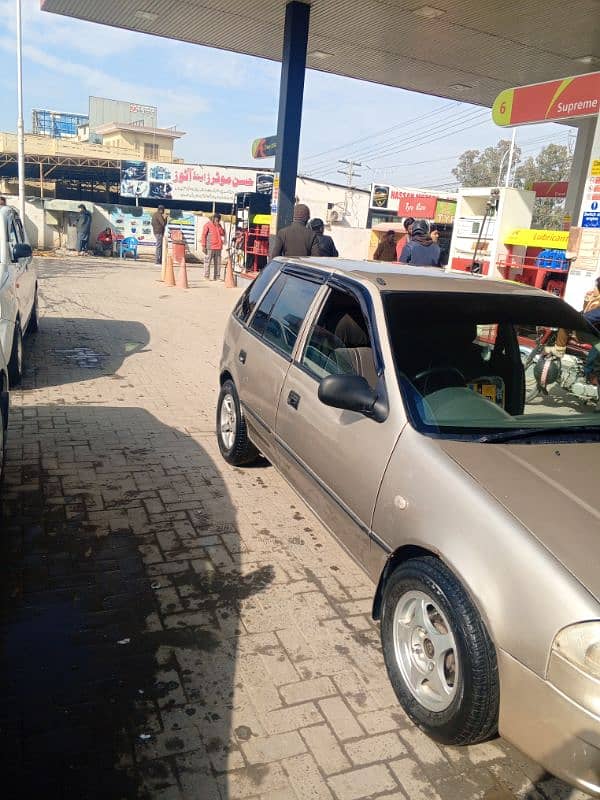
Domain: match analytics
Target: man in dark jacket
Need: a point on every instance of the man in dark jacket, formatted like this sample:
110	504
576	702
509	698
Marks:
386	249
326	244
421	250
159	223
84	224
296	239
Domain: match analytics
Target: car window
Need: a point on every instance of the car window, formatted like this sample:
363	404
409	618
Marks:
339	342
247	302
281	313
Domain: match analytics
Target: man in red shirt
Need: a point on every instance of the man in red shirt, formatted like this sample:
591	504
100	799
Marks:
408	223
213	237
105	242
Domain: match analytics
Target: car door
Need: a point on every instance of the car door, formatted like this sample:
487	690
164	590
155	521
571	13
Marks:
337	458
24	272
265	350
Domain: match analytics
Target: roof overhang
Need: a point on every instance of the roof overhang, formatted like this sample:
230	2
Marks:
115	127
462	50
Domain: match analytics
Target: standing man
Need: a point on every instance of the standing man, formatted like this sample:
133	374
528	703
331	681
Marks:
326	244
386	249
159	223
84	225
213	237
296	239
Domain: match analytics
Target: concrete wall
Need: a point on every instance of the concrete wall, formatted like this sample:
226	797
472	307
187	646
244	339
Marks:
350	242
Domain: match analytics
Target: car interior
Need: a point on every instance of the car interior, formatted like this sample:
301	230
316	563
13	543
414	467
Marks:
339	342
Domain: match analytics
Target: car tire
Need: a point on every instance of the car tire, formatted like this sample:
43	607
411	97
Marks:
33	324
15	363
232	434
3	427
439	656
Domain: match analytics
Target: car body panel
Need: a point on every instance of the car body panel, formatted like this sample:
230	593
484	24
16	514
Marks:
18	282
552	489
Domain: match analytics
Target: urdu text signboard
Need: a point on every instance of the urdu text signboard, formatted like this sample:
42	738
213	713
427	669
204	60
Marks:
189	182
568	98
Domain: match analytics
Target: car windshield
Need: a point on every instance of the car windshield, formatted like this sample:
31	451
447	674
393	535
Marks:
495	367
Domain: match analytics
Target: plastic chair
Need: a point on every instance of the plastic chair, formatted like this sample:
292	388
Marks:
129	245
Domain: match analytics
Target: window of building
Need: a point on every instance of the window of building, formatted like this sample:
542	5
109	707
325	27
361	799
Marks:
150	151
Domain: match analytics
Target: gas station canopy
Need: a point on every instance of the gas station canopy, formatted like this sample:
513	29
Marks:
451	48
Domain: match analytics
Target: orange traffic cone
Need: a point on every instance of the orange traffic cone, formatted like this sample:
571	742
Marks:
229	276
182	278
169	274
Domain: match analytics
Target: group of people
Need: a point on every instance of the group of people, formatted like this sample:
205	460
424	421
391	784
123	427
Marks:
303	238
418	246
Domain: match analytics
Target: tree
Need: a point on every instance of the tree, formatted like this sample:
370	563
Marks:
482	168
552	163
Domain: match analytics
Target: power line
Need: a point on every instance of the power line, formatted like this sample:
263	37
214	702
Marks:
382	132
321	161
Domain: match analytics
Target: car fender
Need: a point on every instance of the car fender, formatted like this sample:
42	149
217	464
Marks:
429	503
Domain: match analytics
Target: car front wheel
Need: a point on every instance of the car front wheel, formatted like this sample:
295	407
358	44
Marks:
234	444
439	657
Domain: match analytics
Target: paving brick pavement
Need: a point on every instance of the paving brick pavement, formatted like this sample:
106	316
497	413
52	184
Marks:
172	627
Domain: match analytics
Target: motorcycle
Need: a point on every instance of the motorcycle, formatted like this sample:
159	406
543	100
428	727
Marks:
567	370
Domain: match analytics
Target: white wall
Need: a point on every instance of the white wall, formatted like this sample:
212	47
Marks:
351	242
317	195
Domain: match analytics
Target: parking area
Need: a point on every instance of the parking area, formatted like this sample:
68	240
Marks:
172	627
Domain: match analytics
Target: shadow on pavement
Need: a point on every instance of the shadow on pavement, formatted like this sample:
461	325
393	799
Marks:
72	349
119	610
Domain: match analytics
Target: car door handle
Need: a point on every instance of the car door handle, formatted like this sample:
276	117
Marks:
293	399
242	357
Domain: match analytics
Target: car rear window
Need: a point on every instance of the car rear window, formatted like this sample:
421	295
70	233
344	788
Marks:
247	302
280	315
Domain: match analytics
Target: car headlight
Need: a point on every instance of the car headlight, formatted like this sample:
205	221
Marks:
574	667
580	646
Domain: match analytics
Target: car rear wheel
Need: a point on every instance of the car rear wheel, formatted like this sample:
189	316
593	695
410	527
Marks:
15	364
439	657
234	444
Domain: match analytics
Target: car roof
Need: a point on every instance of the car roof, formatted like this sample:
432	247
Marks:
386	276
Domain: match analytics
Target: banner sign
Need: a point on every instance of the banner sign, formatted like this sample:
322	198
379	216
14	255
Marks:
550	188
131	221
265	147
554	100
418	206
531	237
191	182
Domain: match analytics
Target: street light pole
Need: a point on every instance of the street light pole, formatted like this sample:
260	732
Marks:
20	125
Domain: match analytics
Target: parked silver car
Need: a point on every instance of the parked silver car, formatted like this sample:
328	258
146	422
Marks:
18	291
394	401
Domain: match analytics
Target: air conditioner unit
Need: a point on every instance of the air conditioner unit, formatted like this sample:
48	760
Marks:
333	216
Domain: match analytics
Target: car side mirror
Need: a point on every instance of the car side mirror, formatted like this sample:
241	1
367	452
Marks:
22	250
349	392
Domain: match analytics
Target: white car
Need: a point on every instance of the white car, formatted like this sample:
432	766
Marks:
18	291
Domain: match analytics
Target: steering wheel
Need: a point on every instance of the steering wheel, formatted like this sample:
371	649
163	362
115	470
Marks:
435	378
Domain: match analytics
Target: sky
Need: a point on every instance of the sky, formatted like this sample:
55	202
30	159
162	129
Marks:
225	100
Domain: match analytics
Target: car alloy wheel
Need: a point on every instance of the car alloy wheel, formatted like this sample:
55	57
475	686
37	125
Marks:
228	421
232	435
425	650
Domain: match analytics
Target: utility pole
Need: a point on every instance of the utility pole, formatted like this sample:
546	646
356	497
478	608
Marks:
350	174
20	124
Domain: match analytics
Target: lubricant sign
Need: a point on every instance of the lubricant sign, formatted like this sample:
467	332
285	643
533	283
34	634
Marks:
568	98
